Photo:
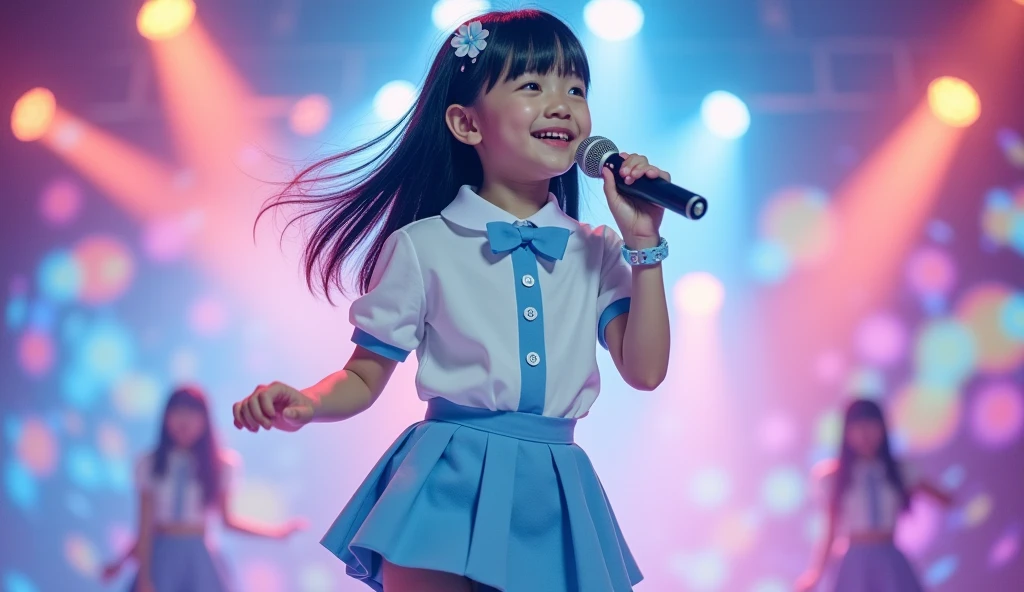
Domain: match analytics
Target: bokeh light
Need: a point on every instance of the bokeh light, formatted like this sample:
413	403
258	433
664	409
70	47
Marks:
447	15
977	509
1013	146
777	432
165	19
881	339
931	272
867	383
136	396
310	115
709	488
262	576
725	115
208	316
769	262
33	114
784	490
982	311
107	267
36	353
940	570
736	532
800	221
613	20
84	467
698	294
1005	549
19	484
925	417
316	578
60	201
703	571
997	414
81	555
954	101
394	99
945	354
37	447
167	239
60	277
260	500
15	581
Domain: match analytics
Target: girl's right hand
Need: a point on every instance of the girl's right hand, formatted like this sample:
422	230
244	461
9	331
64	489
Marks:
275	405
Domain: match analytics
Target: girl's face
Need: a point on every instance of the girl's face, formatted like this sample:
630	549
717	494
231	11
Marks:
529	127
186	426
864	437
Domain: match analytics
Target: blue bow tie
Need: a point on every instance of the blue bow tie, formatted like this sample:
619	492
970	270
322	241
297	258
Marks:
548	241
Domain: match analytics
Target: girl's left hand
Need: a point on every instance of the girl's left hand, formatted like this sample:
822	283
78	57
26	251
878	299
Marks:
638	220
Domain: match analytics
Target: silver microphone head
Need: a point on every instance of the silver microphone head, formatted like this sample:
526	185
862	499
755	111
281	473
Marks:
592	153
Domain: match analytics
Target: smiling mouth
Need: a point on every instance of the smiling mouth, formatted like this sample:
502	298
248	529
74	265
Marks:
565	137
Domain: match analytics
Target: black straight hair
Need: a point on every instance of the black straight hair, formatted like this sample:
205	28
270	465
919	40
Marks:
414	169
205	451
866	410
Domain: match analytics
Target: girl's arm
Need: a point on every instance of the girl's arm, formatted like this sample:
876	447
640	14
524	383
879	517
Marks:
111	570
639	339
144	543
340	396
245	526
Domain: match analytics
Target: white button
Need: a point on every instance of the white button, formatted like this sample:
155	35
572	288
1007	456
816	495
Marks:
532	358
530	313
528	281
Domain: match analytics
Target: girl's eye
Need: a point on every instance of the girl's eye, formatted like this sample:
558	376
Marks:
578	92
531	86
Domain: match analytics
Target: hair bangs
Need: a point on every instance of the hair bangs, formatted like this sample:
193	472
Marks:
532	42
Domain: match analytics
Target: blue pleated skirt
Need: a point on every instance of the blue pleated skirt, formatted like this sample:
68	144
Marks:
185	564
505	499
876	567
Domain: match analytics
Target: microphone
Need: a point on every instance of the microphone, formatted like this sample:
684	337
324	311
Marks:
596	153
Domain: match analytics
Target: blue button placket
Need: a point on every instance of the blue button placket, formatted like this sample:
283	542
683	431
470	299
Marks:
530	314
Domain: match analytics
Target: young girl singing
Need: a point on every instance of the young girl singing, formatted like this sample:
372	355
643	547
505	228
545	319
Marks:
181	483
867	490
474	258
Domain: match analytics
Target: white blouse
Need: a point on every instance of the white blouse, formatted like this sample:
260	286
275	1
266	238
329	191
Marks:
871	502
177	494
512	331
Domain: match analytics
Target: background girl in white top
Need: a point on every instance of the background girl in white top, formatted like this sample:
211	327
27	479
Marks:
475	260
181	484
867	490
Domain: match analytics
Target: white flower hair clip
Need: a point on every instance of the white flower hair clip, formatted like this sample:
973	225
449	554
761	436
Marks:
469	40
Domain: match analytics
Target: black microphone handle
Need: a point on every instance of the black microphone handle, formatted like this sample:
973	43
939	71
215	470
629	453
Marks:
659	191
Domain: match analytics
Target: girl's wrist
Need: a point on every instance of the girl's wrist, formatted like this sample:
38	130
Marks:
641	242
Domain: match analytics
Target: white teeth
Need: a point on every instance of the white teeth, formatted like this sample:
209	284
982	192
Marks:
552	136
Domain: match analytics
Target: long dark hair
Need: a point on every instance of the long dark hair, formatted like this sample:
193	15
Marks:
865	410
413	170
205	452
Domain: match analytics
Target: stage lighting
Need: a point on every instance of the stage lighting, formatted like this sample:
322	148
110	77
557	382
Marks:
32	115
699	294
164	19
449	14
954	101
394	99
310	115
725	115
613	20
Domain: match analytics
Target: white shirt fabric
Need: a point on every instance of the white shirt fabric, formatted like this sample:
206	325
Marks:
855	510
179	480
439	290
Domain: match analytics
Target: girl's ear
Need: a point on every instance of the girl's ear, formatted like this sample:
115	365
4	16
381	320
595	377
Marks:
460	122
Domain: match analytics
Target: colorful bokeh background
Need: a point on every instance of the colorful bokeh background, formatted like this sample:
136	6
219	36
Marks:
864	238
